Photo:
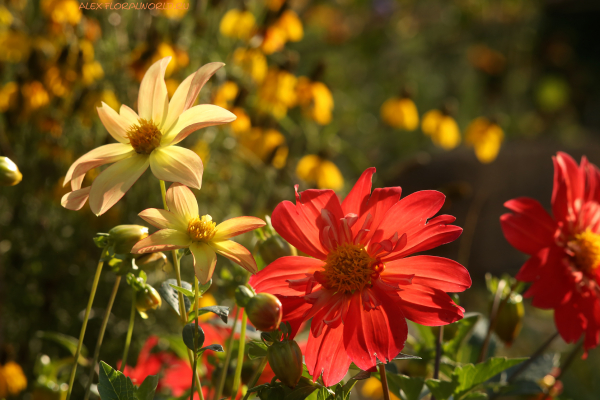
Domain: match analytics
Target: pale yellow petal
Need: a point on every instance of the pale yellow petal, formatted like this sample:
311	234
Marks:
182	202
102	155
236	226
177	164
153	98
236	253
163	219
116	125
76	199
205	260
195	118
163	240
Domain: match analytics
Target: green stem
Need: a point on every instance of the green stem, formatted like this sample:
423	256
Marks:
196	293
129	333
438	356
85	321
257	374
111	301
384	384
228	351
182	312
240	360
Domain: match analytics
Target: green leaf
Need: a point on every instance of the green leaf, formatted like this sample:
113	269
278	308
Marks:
257	350
303	389
465	327
442	389
426	335
411	387
476	396
212	347
221	311
470	375
170	296
147	388
183	291
113	385
68	342
402	356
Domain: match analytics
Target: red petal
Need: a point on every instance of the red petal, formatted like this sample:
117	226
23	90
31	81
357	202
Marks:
436	272
294	309
569	322
531	270
359	195
428	306
274	277
326	355
379	203
300	224
378	333
530	228
569	185
554	283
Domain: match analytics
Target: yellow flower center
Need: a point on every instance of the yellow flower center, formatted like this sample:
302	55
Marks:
144	137
349	268
586	246
201	229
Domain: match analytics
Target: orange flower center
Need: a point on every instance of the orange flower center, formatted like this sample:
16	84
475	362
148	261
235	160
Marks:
201	229
144	137
586	247
349	268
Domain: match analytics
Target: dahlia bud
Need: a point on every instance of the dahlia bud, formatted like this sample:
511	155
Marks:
124	237
9	172
285	359
510	319
273	248
151	261
243	295
264	311
147	299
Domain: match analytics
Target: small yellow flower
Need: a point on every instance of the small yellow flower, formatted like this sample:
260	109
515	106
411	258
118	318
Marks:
91	72
316	100
372	389
175	9
442	128
12	379
6	17
400	113
182	227
207	300
8	96
62	11
15	46
277	93
226	94
486	137
242	124
325	174
252	61
267	144
35	95
238	24
288	28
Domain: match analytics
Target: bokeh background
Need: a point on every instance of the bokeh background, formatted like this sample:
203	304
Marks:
468	97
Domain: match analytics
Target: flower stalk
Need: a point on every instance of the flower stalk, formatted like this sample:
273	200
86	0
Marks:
240	360
228	351
384	383
129	333
111	301
84	325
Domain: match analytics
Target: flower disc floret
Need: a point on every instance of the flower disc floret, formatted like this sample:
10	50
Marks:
144	137
201	229
586	248
348	268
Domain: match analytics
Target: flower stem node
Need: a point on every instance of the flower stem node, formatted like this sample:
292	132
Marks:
9	172
264	311
243	295
285	359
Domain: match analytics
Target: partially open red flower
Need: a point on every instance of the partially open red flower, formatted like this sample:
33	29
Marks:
565	248
359	285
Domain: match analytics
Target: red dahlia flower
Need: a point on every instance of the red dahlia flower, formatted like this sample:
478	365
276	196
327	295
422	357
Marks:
359	285
565	248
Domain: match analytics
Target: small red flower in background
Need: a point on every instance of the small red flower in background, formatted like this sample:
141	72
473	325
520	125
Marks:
565	248
360	285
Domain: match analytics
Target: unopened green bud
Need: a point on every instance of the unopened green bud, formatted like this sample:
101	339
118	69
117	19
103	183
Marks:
242	295
273	248
147	299
124	237
151	261
285	359
510	319
9	172
264	311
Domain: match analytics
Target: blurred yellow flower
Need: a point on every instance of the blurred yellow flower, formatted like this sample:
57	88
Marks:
316	170
172	85
203	150
35	95
442	128
275	5
242	123
6	17
108	96
267	144
400	113
91	72
8	96
226	94
146	55
372	389
252	61
288	28
62	11
278	92
239	24
207	300
12	379
15	46
315	99
486	137
175	9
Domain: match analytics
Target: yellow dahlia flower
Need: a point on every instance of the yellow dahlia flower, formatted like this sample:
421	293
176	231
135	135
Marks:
486	137
147	139
182	227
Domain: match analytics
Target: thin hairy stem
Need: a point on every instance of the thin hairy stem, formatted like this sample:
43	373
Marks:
240	360
129	333
228	351
384	383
